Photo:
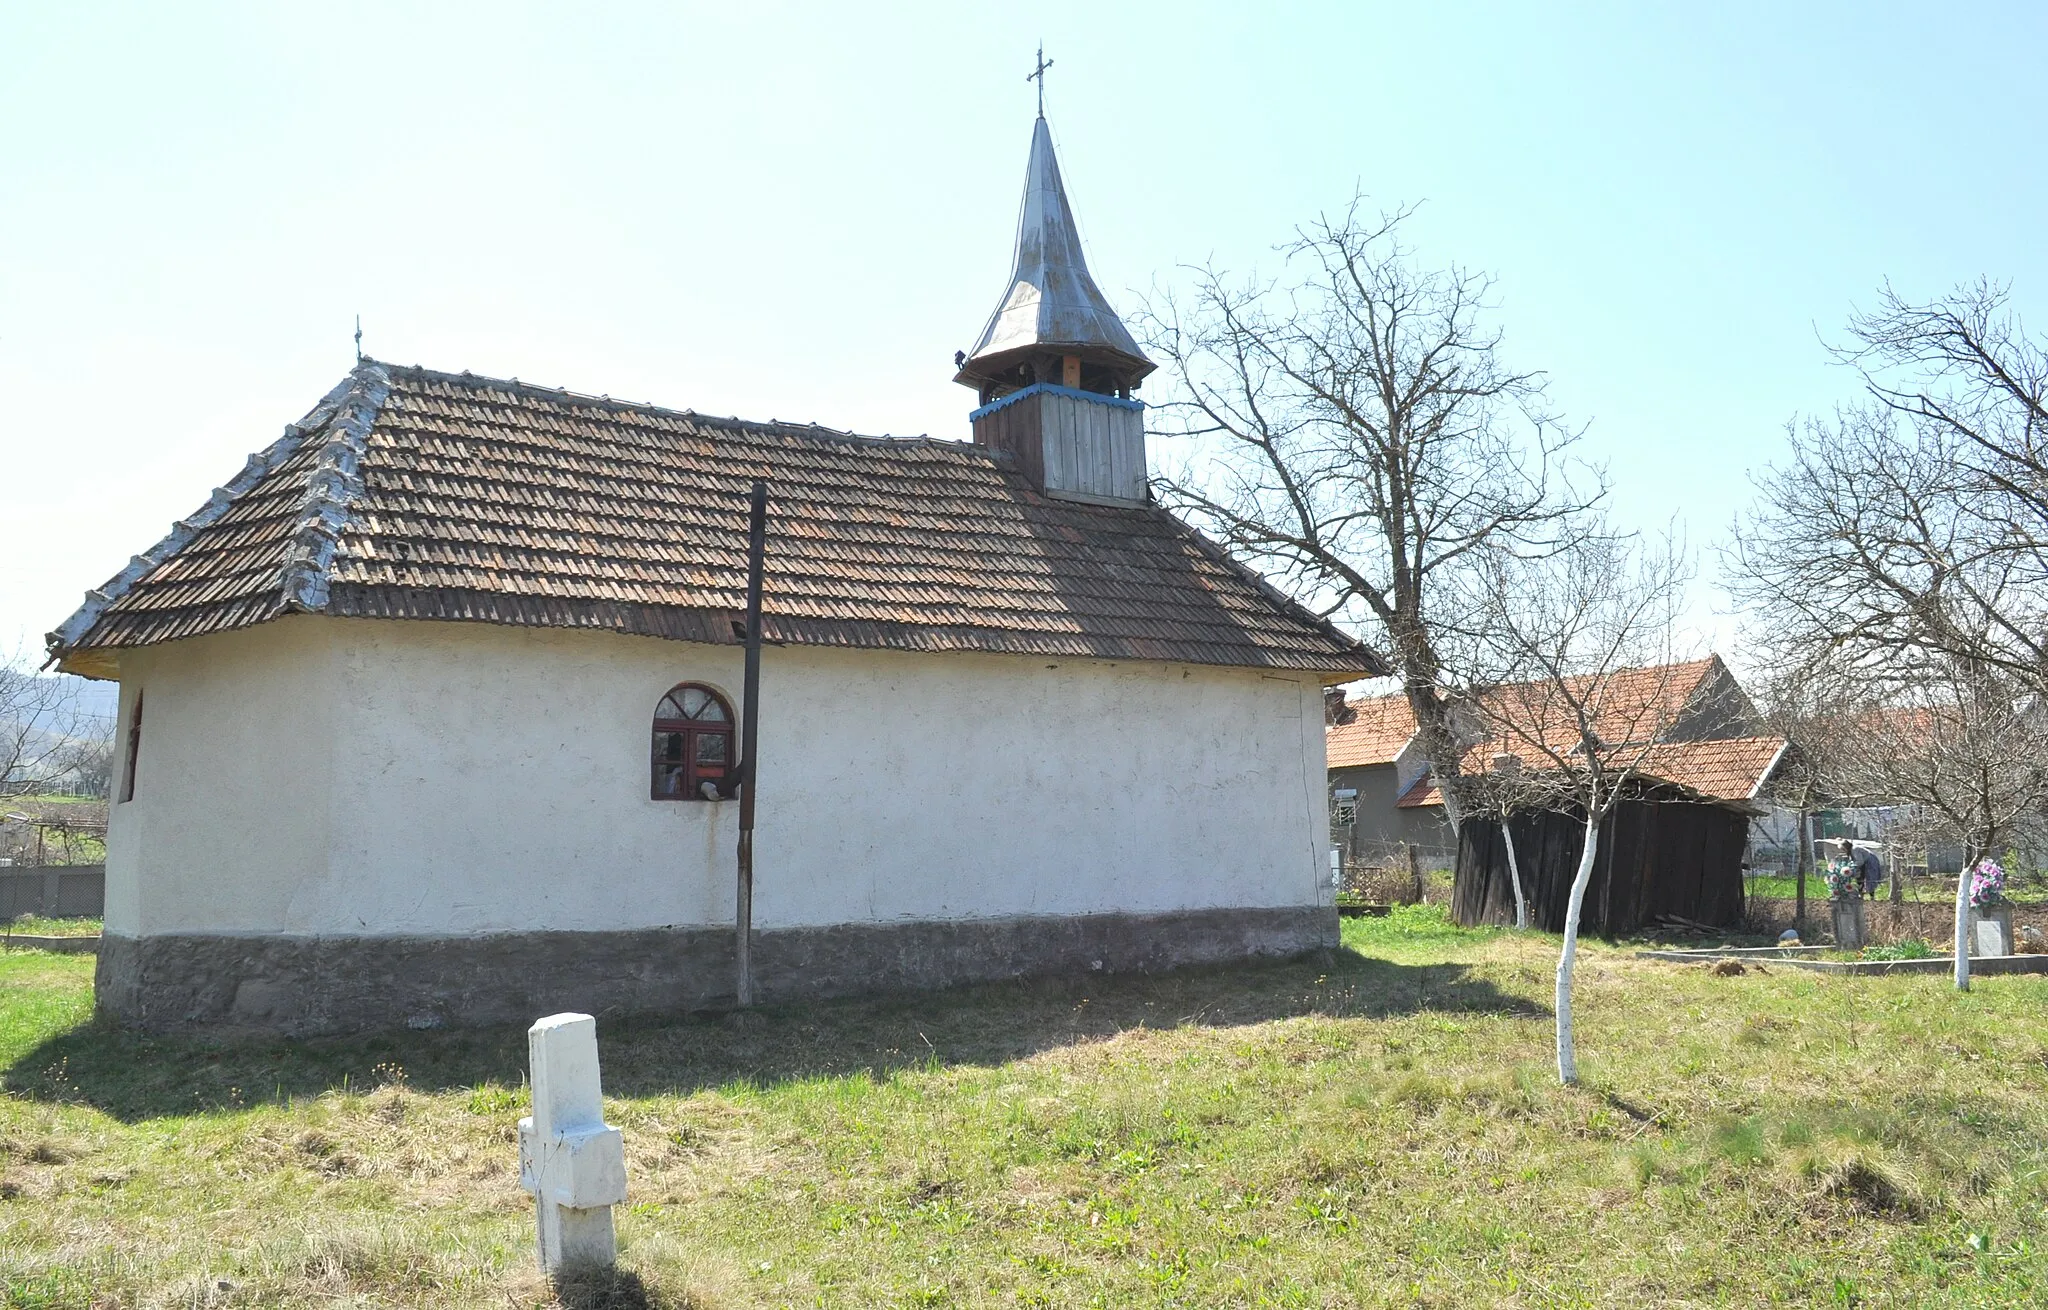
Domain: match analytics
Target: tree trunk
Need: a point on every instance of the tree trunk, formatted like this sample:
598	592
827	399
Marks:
1963	881
1515	876
1800	859
1567	1056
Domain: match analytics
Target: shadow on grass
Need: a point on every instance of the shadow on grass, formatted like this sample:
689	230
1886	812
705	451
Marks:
135	1076
594	1288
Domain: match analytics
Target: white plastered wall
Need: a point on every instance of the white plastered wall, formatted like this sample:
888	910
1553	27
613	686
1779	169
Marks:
234	779
318	775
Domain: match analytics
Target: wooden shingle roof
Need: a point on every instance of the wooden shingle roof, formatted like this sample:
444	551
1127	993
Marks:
412	494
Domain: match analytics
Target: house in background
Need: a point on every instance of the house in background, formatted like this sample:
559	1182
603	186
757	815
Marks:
1708	753
1374	762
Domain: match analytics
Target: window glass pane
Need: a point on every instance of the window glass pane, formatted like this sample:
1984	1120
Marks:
692	742
695	703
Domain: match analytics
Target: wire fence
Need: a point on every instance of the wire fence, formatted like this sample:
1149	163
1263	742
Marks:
1397	873
44	832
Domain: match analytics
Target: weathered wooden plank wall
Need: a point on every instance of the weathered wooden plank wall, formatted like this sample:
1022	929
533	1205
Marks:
1656	858
1092	447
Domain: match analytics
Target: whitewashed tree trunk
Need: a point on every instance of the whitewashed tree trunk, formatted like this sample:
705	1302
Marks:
1969	875
1567	1058
1515	877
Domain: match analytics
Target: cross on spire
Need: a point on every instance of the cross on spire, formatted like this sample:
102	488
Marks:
1038	75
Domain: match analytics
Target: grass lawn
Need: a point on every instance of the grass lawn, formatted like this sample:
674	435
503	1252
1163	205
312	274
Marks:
1375	1127
35	925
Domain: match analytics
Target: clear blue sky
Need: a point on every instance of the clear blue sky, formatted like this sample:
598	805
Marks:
801	212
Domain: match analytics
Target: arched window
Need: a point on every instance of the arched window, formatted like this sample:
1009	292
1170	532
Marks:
692	745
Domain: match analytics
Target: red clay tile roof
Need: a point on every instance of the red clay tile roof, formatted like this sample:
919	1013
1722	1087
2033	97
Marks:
1730	769
1374	733
414	494
1634	701
1634	704
1422	792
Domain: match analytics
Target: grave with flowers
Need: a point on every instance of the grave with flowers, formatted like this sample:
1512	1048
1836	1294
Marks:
1845	892
1990	911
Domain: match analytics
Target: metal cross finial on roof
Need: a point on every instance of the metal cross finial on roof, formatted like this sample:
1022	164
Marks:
1038	75
359	338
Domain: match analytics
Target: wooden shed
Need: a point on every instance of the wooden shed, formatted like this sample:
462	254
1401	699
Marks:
1662	852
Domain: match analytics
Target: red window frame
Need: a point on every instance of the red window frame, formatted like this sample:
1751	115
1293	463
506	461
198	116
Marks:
693	745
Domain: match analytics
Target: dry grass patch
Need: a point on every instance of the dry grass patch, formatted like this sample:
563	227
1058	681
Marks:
1378	1127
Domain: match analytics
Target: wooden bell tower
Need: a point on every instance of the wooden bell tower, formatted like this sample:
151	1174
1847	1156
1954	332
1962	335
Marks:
1055	367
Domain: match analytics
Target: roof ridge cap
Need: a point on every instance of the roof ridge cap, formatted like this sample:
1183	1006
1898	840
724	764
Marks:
258	466
778	426
332	487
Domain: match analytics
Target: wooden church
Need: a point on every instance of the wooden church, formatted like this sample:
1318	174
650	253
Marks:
429	712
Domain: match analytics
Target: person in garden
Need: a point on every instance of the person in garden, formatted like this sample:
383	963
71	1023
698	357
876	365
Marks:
1867	866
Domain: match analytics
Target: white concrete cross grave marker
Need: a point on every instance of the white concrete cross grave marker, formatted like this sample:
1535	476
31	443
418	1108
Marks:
572	1162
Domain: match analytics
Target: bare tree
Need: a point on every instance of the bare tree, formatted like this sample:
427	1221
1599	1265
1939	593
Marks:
1581	653
1911	531
1364	441
1499	793
87	758
1967	748
1904	550
1798	700
38	721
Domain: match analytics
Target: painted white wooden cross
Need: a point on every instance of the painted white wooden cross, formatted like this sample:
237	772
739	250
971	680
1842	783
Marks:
574	1164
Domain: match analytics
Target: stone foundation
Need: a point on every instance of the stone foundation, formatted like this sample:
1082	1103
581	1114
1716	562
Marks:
303	985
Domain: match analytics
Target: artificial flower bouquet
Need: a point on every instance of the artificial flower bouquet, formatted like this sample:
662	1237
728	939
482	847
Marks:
1987	885
1845	881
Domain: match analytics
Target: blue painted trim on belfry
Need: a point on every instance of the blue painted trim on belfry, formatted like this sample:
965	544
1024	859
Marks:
1054	389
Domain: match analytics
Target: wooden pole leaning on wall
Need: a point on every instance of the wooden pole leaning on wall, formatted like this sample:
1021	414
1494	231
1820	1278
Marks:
750	725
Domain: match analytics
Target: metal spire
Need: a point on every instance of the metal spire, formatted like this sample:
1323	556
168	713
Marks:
1038	75
1052	304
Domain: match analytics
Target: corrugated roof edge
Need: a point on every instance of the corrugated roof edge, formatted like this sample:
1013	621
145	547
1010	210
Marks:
328	493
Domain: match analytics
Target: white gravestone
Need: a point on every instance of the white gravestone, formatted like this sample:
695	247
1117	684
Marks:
574	1164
